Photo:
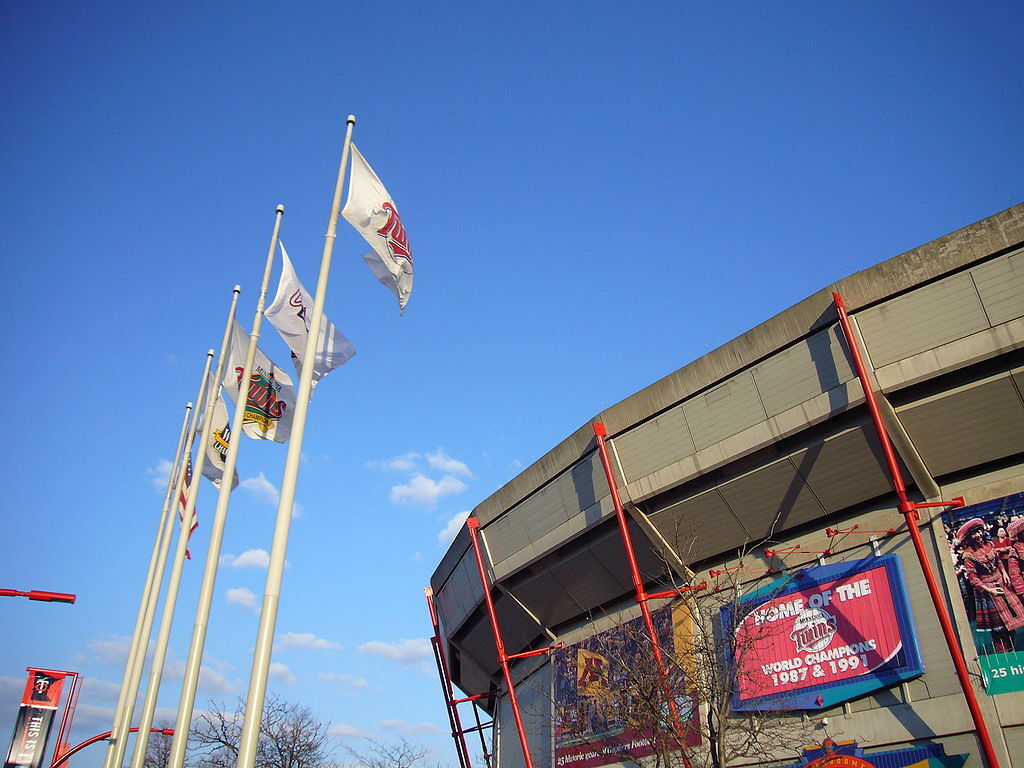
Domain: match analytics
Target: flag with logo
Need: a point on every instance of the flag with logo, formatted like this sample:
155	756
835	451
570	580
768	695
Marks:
39	702
270	396
217	445
183	501
370	209
290	314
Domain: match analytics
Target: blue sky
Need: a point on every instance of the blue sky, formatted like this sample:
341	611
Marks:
595	194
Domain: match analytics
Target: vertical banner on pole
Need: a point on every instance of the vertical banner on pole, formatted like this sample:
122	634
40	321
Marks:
35	718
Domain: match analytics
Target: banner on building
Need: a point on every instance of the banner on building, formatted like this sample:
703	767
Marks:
822	636
600	715
847	754
39	701
986	542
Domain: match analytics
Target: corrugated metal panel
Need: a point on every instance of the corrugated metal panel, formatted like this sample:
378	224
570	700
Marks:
962	428
806	369
700	526
939	677
723	411
534	696
543	511
1015	744
924	319
588	482
591	583
845	469
1001	285
654	444
506	536
771	499
460	594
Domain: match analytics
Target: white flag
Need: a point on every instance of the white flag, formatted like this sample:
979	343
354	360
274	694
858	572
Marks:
270	401
290	315
373	213
217	448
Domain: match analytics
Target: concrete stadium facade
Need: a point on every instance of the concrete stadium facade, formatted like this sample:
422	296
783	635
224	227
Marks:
768	439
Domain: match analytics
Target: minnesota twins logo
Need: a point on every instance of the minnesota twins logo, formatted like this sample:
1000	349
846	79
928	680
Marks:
262	405
397	240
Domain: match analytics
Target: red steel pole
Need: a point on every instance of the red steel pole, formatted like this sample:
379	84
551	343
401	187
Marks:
600	432
474	524
909	510
458	734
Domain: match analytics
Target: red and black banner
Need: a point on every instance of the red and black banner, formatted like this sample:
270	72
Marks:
32	729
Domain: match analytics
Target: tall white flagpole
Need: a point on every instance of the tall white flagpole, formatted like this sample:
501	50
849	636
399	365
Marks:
163	636
186	703
151	574
272	592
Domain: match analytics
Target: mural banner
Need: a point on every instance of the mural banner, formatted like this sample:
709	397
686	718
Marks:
600	682
35	717
986	542
821	636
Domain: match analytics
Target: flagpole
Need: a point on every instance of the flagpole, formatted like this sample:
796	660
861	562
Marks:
163	637
275	570
186	703
121	746
148	584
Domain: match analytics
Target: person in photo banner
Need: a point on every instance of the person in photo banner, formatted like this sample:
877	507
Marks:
997	608
1015	560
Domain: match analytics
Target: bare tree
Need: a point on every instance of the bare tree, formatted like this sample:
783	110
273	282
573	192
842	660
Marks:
622	700
401	754
158	749
290	737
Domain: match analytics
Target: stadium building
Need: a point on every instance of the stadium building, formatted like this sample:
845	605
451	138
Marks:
768	443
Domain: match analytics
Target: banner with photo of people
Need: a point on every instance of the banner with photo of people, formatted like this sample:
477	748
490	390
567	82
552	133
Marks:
601	713
987	544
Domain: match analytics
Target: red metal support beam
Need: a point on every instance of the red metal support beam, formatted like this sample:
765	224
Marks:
600	432
100	737
909	510
473	524
458	734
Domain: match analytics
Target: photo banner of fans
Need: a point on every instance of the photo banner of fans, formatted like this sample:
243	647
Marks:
599	684
986	542
39	701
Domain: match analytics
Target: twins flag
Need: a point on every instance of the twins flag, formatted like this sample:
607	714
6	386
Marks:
217	447
373	213
270	396
290	315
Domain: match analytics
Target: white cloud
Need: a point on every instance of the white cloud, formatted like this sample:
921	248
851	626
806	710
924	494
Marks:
242	597
280	671
305	640
210	680
442	461
405	728
447	535
100	690
405	463
344	680
158	475
422	490
251	558
402	652
265	491
112	649
344	729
